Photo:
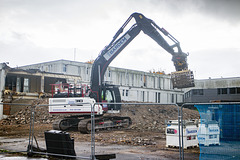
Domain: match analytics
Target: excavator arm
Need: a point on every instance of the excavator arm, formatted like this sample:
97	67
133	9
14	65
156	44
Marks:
117	44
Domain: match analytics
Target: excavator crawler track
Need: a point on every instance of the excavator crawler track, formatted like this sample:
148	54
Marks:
104	123
66	124
84	126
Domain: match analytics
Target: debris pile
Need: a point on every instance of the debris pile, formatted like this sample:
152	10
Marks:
23	116
154	117
144	117
148	125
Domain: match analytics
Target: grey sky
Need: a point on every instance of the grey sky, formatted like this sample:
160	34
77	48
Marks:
35	31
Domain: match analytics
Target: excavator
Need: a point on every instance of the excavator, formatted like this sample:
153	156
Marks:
78	109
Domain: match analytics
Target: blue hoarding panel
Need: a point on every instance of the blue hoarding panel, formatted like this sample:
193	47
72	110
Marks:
224	144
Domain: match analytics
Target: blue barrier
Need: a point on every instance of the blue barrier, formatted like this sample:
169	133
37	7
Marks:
219	123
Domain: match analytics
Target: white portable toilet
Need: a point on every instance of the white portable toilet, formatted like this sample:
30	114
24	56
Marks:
208	133
190	130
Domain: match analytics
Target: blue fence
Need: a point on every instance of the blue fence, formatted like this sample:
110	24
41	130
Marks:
219	131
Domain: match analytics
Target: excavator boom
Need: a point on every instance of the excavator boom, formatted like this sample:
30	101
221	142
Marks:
118	43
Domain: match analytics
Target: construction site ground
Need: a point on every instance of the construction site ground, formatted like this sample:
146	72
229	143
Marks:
144	139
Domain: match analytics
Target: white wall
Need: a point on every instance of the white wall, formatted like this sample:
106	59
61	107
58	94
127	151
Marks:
130	81
150	95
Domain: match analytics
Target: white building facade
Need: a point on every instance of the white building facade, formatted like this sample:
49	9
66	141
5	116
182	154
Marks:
133	85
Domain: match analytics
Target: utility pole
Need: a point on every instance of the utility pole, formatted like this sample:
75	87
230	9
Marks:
75	54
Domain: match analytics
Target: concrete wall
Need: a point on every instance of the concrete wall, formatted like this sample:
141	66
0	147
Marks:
2	86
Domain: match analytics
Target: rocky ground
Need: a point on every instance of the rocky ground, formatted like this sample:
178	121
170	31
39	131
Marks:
147	129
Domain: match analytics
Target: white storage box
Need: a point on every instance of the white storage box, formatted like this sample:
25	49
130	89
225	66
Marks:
208	133
189	134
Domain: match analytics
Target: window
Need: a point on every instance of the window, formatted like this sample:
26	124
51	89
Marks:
188	94
197	91
156	99
172	98
143	96
159	82
163	84
219	91
232	90
171	131
145	81
18	88
222	90
123	92
132	79
126	92
26	85
154	82
109	73
49	68
238	90
64	68
121	79
79	71
87	70
127	79
159	95
147	96
108	95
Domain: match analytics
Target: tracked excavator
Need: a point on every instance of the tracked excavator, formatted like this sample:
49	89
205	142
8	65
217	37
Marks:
78	109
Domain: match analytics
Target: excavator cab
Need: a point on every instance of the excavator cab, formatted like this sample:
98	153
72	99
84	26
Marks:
111	94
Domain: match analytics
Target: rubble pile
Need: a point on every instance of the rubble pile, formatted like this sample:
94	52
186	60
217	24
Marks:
144	117
23	116
148	124
154	117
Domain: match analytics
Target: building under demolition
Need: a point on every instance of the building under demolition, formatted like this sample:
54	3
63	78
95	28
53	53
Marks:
19	85
33	81
134	85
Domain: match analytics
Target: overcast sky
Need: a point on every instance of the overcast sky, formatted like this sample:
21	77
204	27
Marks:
36	31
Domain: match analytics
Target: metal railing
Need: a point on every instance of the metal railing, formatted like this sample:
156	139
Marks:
31	135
